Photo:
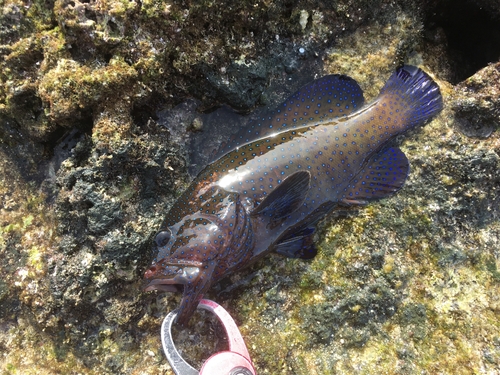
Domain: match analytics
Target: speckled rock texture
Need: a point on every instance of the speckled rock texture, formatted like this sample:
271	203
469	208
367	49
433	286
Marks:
477	102
107	110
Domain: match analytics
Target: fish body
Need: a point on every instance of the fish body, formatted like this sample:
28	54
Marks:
321	150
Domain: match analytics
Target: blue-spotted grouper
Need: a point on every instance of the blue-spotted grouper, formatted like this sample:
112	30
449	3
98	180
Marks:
320	151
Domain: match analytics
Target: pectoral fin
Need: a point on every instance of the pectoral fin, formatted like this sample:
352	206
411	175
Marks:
286	198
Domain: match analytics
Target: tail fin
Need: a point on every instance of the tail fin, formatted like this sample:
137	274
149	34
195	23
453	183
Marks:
415	93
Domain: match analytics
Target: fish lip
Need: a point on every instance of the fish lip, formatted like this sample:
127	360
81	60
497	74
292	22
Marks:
164	285
177	277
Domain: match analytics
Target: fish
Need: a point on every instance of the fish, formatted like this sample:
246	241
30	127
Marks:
322	150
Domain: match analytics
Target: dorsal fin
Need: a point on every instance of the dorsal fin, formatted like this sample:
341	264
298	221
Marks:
326	98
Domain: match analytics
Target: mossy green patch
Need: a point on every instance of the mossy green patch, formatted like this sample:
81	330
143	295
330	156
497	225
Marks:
71	87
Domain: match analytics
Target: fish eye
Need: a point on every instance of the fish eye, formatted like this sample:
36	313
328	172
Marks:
162	238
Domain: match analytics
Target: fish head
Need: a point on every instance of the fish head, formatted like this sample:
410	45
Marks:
199	250
187	254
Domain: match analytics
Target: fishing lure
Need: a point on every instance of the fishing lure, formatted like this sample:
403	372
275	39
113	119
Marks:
321	150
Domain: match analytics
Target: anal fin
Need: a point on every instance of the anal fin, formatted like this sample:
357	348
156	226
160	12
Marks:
384	174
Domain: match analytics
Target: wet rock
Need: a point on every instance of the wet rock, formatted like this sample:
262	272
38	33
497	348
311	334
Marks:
241	85
375	303
477	103
102	215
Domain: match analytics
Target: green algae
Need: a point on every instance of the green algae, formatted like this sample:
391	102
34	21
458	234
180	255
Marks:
70	86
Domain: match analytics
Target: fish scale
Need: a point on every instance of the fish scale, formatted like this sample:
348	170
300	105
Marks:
320	151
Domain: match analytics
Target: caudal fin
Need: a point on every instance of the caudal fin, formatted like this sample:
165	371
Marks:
411	92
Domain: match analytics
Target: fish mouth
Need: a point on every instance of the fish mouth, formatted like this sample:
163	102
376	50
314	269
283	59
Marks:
164	285
170	278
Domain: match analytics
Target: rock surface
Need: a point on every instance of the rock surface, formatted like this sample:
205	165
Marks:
106	108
